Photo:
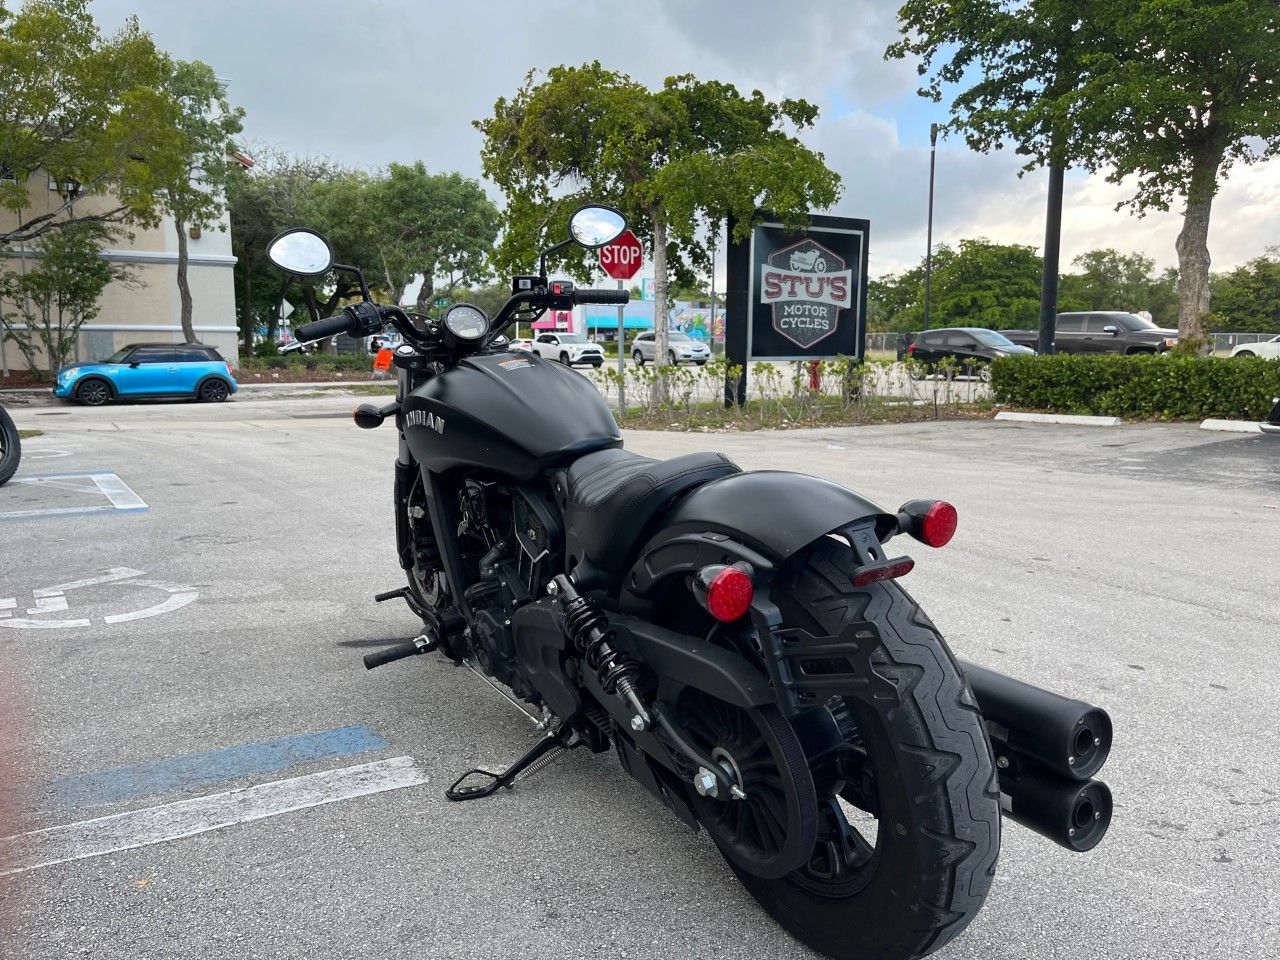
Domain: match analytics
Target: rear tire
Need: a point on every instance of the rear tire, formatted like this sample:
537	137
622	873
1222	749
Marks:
637	358
213	390
1246	353
915	884
10	447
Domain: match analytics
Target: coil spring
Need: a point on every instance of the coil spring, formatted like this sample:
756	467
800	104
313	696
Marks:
587	627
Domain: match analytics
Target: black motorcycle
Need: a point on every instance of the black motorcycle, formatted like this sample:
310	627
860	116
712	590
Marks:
739	639
10	447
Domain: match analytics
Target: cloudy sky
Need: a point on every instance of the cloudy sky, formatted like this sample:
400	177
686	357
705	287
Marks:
372	81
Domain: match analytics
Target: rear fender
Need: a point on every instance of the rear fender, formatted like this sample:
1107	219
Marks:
763	517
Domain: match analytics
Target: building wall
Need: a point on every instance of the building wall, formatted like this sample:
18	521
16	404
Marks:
148	307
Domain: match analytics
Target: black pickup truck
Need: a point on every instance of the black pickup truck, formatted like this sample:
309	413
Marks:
1102	331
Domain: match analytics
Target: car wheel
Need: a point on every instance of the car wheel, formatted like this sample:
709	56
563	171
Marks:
701	363
671	357
93	392
637	358
1140	351
984	372
214	390
564	358
1246	353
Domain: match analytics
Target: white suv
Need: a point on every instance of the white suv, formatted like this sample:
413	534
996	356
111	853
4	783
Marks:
681	348
569	348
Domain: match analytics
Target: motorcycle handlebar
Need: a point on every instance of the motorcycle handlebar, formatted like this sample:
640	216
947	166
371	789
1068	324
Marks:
318	330
618	297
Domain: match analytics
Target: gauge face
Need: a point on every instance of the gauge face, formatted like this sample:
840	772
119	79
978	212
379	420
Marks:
466	322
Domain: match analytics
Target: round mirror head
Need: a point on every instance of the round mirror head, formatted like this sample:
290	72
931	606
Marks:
594	226
466	322
301	251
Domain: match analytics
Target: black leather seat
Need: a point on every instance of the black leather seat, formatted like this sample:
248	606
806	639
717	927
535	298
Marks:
609	498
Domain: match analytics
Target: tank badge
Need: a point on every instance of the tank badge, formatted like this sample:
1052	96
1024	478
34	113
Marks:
423	418
514	364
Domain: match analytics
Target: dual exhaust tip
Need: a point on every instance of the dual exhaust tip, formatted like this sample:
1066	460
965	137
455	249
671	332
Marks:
1047	750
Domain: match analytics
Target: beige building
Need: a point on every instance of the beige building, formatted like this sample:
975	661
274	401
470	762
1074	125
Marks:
148	308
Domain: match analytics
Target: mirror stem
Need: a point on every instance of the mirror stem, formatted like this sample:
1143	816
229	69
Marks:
542	263
364	286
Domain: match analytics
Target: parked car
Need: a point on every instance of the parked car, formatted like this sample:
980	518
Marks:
972	347
150	370
10	447
681	348
1272	423
570	349
1267	348
1101	331
521	343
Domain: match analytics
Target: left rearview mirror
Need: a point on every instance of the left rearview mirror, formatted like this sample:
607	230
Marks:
301	251
594	226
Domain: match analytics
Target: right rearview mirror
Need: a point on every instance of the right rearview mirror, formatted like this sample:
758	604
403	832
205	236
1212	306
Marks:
301	251
1111	329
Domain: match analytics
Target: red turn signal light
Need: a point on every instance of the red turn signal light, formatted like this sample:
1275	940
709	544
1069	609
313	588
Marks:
725	592
932	522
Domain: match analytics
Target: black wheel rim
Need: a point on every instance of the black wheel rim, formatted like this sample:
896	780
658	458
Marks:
93	393
762	830
215	391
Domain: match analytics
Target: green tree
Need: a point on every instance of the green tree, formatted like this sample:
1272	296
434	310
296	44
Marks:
58	294
988	284
1248	298
1111	280
674	160
195	195
1186	90
88	110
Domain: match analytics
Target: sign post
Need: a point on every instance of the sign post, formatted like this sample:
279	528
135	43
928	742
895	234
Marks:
621	260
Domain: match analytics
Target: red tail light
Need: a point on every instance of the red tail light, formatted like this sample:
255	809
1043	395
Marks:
228	366
884	570
725	592
911	348
932	522
939	524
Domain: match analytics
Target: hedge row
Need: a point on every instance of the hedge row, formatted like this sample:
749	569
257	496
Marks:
310	361
1166	387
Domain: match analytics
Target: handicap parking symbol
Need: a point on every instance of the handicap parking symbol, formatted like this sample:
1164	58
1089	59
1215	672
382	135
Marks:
49	601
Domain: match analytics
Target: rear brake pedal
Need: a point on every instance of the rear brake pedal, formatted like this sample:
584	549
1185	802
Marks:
392	595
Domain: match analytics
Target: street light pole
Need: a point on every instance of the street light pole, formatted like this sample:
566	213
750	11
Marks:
928	253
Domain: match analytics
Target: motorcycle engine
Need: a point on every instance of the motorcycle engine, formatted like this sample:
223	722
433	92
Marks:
523	538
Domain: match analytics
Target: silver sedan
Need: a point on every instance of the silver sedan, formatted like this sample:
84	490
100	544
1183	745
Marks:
681	348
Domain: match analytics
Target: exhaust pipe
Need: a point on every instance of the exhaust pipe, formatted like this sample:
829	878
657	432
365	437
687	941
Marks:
1071	813
1067	737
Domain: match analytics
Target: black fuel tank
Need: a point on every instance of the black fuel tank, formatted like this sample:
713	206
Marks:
514	413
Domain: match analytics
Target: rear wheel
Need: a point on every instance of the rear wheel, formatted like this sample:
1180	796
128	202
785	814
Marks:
637	358
214	390
906	844
1246	353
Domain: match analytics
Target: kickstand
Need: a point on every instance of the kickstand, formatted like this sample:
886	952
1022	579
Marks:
543	752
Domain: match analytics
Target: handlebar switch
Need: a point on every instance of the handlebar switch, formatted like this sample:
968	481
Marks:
560	295
368	318
525	284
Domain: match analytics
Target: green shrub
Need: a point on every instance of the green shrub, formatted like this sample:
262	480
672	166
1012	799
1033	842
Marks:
1165	386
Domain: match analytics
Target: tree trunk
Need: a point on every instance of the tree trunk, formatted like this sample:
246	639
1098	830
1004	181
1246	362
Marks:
184	288
246	316
1193	247
658	392
426	294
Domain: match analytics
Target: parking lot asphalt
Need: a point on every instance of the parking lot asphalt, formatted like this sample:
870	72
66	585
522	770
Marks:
1134	567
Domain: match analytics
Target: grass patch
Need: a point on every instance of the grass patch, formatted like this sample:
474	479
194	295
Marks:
28	434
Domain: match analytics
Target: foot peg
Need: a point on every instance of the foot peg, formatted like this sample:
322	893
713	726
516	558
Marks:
400	594
546	750
424	643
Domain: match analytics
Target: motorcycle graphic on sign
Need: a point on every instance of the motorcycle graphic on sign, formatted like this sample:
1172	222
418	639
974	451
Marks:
806	285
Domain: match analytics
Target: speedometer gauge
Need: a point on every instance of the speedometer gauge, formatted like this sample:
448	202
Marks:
466	322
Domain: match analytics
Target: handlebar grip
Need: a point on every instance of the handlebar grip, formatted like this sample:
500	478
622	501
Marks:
618	297
338	323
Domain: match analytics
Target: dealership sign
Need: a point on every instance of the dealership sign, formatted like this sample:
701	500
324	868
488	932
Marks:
805	290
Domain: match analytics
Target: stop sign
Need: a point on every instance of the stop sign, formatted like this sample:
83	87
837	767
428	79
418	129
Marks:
622	258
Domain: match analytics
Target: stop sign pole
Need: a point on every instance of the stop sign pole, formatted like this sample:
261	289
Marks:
621	260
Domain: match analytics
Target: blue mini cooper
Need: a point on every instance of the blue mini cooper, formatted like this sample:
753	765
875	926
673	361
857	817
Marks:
150	370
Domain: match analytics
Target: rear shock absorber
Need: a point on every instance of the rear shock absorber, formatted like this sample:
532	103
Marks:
588	628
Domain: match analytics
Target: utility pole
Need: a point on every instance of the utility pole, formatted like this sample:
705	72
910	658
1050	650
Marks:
928	250
1052	246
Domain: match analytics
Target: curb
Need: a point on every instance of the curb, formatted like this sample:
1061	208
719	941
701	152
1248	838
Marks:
1232	426
1074	420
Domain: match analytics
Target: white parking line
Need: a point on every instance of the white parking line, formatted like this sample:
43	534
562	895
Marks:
187	818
